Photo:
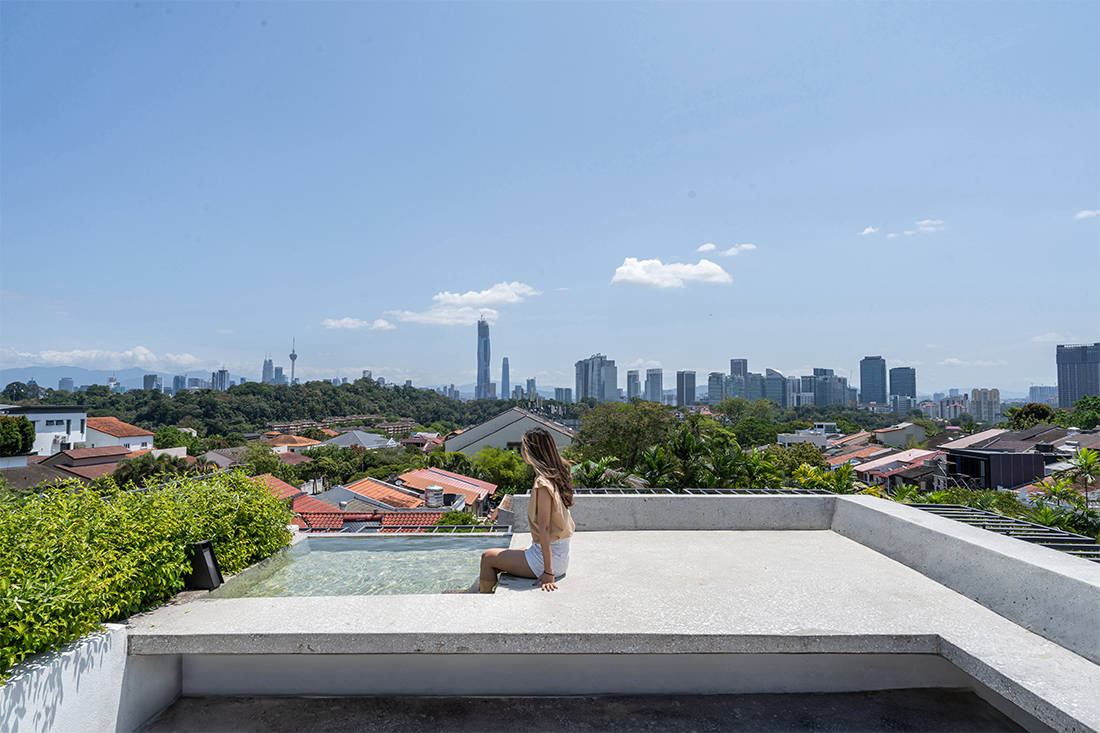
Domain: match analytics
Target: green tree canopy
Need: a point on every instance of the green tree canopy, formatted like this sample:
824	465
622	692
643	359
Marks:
16	435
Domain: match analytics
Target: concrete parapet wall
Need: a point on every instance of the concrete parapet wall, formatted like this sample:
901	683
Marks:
610	512
1047	592
89	685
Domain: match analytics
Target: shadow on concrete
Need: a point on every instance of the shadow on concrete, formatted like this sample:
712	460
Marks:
891	710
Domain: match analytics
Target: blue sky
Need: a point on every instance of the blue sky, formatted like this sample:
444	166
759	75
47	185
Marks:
190	185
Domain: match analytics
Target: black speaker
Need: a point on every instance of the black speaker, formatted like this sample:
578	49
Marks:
205	573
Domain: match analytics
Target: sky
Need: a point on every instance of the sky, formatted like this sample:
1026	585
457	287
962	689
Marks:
187	186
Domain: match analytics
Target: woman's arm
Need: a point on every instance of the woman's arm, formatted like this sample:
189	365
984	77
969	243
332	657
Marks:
544	505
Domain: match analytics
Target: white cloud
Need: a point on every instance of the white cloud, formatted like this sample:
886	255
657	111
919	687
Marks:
952	361
909	232
499	294
378	324
657	274
446	315
640	364
868	230
1053	337
892	235
1087	214
708	247
464	309
101	358
737	249
930	225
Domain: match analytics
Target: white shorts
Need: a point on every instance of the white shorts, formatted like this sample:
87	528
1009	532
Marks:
559	552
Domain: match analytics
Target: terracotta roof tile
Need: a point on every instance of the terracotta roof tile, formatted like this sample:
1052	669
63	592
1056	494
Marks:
383	492
293	459
452	483
114	426
405	519
295	441
98	470
78	454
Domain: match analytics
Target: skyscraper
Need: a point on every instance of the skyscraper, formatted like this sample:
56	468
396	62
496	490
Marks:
685	387
277	377
872	380
563	394
179	383
903	382
716	387
220	380
481	390
654	385
532	391
505	385
267	376
1078	372
633	384
985	405
149	381
775	387
1045	394
65	384
293	358
597	377
739	368
754	386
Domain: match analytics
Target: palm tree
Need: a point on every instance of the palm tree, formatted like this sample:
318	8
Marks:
656	467
595	474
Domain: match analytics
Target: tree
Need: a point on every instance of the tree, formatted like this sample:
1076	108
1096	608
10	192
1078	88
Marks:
454	517
16	435
656	466
259	458
623	430
789	457
145	468
170	437
504	468
17	392
596	474
1033	413
1086	412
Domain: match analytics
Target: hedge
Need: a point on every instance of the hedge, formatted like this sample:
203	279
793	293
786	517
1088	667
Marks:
72	558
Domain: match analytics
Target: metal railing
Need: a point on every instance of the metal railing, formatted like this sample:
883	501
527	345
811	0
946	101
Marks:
1078	545
698	492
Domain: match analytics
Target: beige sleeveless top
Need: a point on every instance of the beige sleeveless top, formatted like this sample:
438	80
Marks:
561	522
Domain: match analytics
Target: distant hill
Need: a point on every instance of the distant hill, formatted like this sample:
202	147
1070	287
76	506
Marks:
130	378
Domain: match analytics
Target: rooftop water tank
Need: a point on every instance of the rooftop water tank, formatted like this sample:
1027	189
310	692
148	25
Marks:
433	497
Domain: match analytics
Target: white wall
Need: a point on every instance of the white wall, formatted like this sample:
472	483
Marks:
90	685
97	439
48	438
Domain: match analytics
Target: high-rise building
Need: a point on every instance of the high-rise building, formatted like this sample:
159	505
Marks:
754	387
597	377
220	380
505	382
775	387
685	387
408	382
633	384
267	375
654	385
532	392
902	404
739	368
872	380
65	384
517	393
492	391
1078	372
716	387
277	377
1045	395
367	374
794	388
735	386
828	388
293	358
481	390
903	382
985	405
179	383
149	381
563	394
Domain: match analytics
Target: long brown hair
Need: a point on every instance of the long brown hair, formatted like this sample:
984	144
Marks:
541	453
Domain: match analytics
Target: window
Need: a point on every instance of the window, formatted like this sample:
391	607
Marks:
82	426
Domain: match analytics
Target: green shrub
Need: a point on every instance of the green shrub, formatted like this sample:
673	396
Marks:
16	435
72	558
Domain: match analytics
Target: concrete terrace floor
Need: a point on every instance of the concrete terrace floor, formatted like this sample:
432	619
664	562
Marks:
893	710
657	592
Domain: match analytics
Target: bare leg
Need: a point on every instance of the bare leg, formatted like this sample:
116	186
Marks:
496	561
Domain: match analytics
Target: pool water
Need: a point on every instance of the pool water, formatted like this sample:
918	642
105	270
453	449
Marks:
365	566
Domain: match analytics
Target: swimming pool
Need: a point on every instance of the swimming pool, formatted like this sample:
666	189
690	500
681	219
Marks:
365	566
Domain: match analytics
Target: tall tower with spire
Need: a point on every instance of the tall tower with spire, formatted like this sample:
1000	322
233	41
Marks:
293	358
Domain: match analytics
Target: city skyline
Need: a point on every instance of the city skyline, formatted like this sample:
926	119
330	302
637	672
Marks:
763	195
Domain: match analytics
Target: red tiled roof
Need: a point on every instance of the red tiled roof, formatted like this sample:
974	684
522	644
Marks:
280	488
320	520
114	426
306	504
452	483
405	519
383	492
866	452
98	470
295	441
293	459
329	432
851	438
107	450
